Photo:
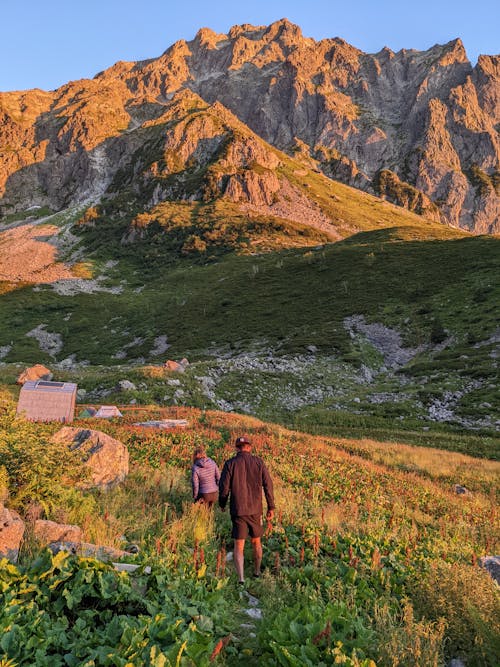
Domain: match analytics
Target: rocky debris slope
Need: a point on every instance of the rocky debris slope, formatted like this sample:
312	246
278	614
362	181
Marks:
387	342
420	127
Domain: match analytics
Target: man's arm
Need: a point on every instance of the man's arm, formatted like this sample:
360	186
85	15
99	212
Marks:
224	485
267	485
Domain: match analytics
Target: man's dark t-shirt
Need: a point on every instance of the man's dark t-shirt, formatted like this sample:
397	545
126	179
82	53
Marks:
243	477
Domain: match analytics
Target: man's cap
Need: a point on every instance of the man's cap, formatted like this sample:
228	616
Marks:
243	440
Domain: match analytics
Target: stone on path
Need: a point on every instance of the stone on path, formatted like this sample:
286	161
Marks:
253	610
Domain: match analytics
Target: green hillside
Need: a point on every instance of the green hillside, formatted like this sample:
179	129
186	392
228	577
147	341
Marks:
368	562
289	299
438	290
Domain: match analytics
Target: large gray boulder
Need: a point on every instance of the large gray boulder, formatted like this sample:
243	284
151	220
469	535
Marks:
126	385
106	458
11	533
492	565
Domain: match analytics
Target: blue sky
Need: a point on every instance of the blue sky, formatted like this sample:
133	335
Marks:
46	43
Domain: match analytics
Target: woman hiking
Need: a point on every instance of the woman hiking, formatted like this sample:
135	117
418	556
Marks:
205	476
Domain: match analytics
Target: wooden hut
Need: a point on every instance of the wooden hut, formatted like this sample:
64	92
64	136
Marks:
43	401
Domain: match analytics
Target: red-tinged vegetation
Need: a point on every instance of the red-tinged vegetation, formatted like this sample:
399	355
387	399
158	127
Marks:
222	643
349	541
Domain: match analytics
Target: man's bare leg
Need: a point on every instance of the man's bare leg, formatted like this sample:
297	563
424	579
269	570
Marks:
257	555
239	560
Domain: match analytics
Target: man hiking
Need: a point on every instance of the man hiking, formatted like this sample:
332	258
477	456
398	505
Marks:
243	478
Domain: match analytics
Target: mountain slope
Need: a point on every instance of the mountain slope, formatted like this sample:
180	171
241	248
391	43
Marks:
428	118
389	329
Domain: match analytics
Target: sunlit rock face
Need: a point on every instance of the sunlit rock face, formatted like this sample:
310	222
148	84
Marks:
428	117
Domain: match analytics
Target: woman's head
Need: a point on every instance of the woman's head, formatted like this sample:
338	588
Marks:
199	453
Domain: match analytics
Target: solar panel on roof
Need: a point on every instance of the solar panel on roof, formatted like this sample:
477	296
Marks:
55	385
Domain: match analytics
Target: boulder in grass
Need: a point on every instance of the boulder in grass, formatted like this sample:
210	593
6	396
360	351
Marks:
50	531
11	533
174	366
126	385
106	458
37	372
492	565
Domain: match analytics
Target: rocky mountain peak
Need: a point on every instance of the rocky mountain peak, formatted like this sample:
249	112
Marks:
285	31
428	117
453	52
208	38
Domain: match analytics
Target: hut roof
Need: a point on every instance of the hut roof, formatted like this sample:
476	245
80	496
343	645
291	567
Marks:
41	400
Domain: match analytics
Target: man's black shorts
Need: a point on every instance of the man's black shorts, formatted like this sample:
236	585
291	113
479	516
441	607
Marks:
243	526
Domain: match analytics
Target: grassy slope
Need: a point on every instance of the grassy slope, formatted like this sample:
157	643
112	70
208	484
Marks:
194	299
356	534
287	301
292	299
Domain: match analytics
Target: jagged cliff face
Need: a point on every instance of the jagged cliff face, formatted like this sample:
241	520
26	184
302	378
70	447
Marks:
419	128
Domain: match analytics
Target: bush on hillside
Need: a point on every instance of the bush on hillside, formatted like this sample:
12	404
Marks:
466	597
387	184
480	180
39	470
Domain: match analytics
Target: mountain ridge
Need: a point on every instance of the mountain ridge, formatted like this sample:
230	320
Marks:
428	117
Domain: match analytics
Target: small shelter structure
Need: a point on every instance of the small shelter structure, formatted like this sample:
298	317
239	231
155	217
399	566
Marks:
44	401
87	412
107	412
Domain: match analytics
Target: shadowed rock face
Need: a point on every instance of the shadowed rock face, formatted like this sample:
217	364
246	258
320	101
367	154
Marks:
429	118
